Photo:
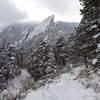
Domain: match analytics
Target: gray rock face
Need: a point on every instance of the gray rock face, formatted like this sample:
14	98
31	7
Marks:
48	29
21	32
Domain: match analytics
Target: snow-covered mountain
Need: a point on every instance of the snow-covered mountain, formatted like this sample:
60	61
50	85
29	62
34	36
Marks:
16	31
43	26
46	29
51	30
1	28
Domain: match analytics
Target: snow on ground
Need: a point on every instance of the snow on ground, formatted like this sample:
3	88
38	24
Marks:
14	86
64	88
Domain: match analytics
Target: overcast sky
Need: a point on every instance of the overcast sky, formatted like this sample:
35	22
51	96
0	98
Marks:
37	10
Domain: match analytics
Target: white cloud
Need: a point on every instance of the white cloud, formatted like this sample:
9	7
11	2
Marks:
66	10
9	12
14	10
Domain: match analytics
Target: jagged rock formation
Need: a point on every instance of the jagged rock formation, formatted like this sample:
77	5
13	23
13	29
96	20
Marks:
21	32
48	29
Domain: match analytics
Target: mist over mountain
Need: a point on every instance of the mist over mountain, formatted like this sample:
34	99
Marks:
24	31
16	31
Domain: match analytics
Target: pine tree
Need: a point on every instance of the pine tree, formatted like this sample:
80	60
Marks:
60	51
42	60
8	65
12	65
88	28
74	56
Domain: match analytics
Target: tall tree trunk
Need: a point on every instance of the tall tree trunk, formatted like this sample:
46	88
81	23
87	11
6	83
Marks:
85	61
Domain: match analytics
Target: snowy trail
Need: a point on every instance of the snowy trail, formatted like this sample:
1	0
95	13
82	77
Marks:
64	88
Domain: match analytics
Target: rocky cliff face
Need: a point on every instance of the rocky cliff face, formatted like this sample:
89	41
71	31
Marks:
47	29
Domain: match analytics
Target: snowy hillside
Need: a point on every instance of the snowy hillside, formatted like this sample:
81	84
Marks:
52	29
64	88
27	30
16	31
15	86
42	27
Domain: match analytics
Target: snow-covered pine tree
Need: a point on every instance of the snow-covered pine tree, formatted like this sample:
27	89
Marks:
74	56
8	65
42	60
88	31
60	51
12	61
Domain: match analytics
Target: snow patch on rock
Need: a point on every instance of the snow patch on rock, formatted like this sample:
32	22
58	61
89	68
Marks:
96	36
99	46
42	26
94	61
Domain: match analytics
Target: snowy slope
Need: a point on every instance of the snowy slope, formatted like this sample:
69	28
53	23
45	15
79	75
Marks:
63	89
42	27
21	32
16	31
1	28
51	28
15	86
